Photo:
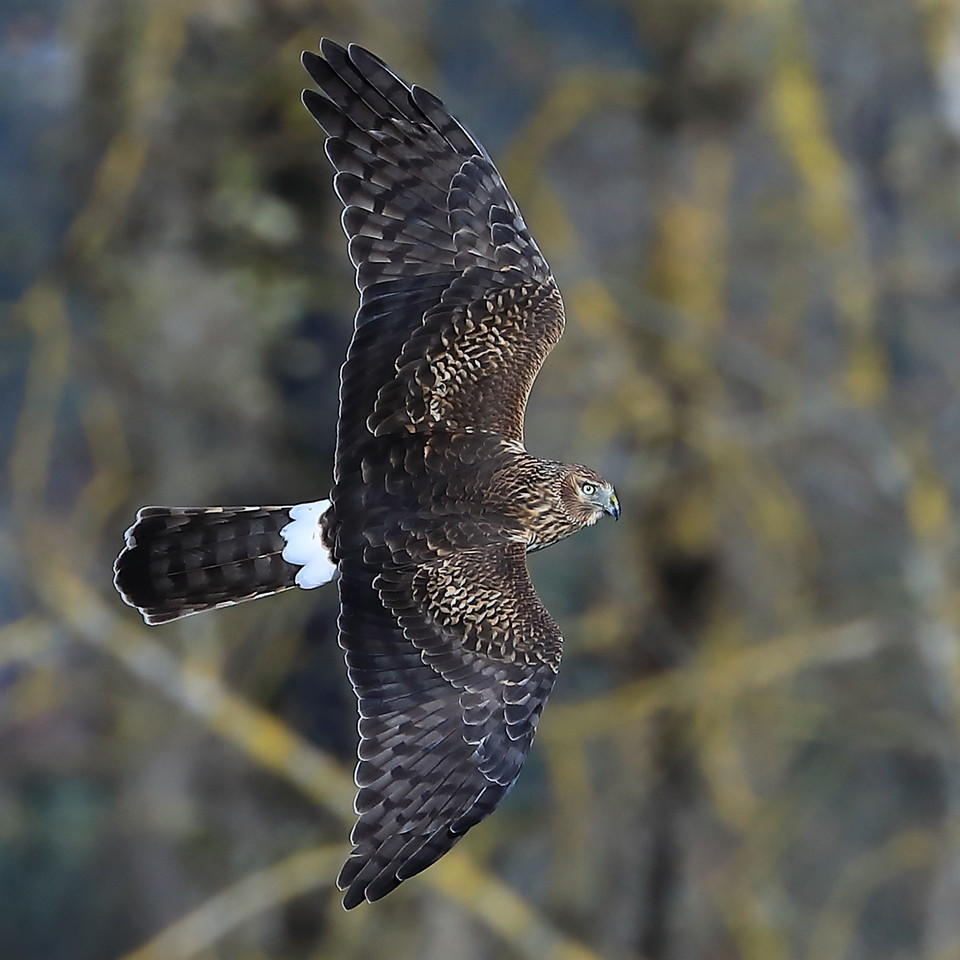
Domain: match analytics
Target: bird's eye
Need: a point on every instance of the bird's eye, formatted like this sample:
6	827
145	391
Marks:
589	489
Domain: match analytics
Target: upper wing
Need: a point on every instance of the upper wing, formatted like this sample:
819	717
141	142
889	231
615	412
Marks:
437	240
452	660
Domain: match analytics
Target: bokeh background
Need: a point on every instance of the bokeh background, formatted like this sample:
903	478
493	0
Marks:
753	209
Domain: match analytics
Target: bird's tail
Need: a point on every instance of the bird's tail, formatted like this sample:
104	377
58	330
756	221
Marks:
184	560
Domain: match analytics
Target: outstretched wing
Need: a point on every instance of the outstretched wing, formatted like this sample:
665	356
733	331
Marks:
452	660
458	308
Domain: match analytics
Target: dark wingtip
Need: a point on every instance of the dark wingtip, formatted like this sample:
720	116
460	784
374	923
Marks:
356	52
328	46
352	891
352	899
318	106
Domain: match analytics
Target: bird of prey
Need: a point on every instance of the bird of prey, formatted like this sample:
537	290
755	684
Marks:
435	502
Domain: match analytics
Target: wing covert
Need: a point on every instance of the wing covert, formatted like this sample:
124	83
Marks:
471	364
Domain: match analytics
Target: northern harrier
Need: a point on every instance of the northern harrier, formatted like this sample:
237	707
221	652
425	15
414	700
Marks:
435	501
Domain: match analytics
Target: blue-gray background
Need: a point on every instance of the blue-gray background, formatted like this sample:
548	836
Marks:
753	210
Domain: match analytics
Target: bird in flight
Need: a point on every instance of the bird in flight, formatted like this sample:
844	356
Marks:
435	502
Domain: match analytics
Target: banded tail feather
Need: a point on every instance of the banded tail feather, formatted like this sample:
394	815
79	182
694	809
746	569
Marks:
183	560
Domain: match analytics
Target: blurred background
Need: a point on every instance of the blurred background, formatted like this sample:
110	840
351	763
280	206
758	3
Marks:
753	210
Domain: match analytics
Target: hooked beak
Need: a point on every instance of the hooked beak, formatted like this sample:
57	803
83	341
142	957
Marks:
612	506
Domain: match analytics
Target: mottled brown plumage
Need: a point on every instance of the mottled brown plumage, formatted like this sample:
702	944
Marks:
435	501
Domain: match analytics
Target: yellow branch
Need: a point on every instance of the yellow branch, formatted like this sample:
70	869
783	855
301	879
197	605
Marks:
274	746
44	314
161	41
800	120
728	677
910	850
254	894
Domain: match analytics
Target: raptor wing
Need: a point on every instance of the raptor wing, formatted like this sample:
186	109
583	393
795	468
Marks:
452	660
458	308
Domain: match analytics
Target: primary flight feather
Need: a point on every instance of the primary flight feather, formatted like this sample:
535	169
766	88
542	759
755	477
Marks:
435	501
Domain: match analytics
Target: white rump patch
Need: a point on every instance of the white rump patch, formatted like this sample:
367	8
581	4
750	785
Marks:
305	546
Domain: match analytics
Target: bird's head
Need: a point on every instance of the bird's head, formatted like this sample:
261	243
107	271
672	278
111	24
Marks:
586	496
